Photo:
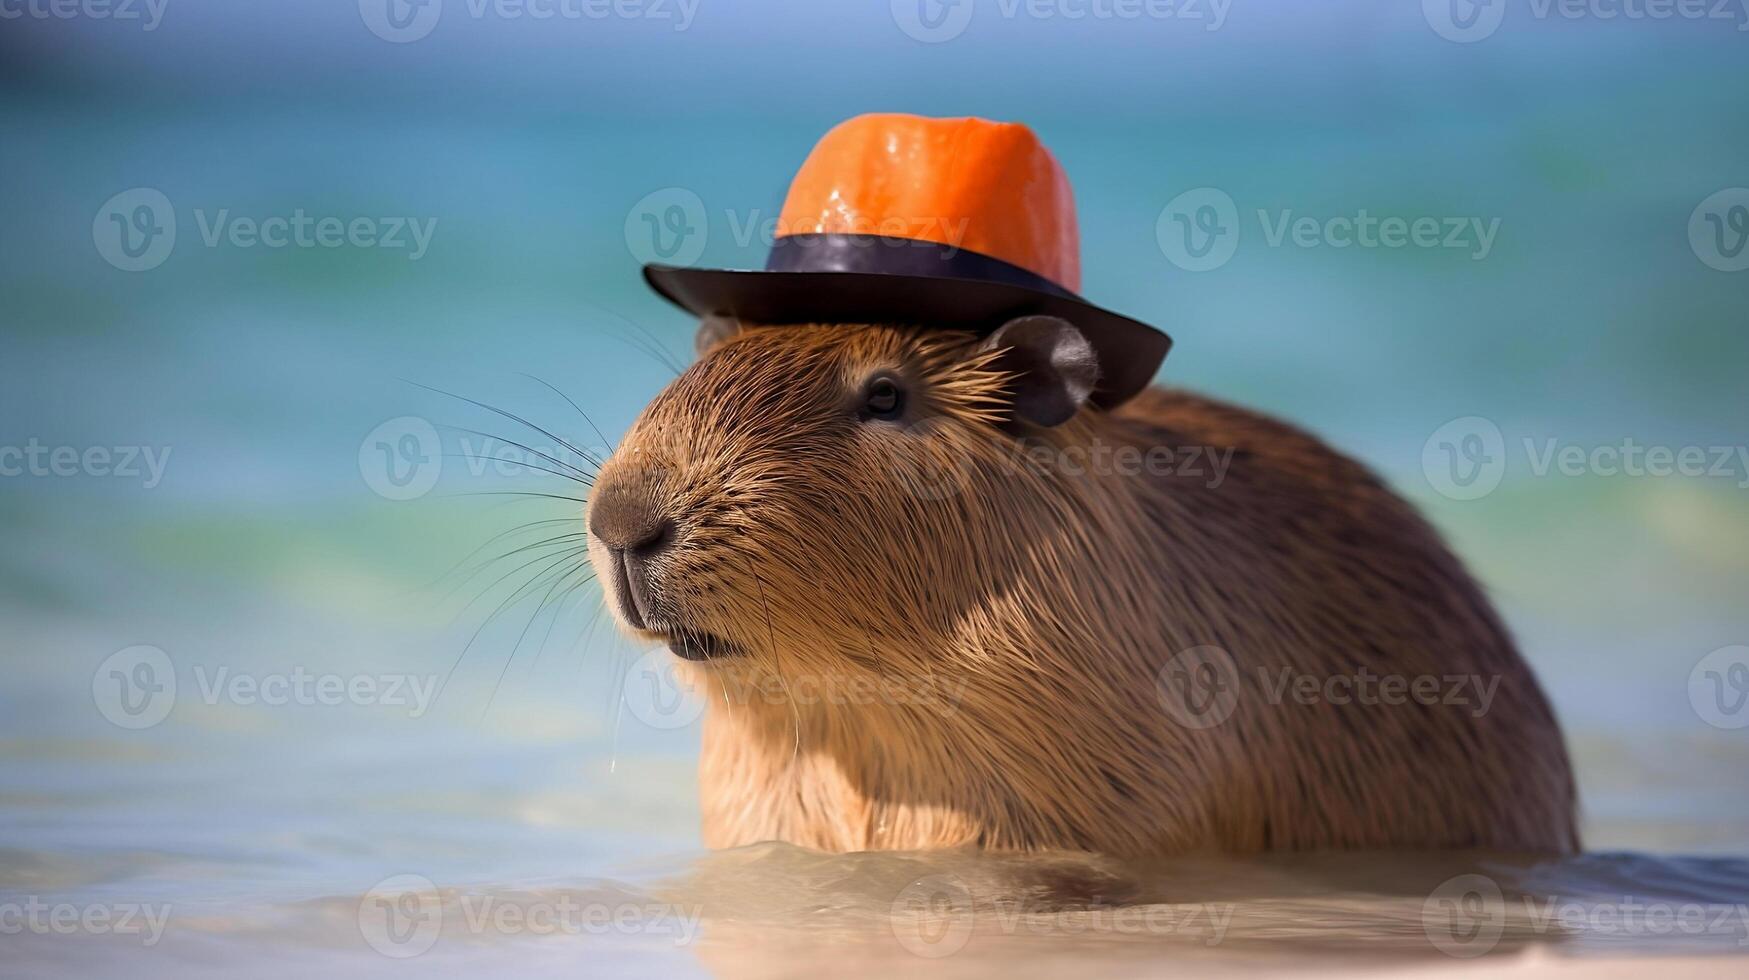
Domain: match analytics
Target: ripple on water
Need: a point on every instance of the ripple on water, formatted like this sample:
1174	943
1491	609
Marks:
775	909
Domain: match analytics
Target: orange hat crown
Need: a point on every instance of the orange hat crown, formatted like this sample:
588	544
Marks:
968	183
955	224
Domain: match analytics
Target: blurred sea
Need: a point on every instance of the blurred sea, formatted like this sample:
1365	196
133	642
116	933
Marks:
260	376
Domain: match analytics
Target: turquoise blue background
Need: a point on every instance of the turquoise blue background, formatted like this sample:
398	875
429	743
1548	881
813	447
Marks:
532	145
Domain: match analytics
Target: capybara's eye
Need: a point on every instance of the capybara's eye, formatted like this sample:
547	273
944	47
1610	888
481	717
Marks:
885	399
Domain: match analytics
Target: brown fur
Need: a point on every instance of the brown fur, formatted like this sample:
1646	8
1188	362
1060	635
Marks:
1046	607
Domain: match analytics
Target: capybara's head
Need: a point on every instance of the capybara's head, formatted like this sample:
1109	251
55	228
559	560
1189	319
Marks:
836	493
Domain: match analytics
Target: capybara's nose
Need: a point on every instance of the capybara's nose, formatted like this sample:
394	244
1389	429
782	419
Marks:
626	516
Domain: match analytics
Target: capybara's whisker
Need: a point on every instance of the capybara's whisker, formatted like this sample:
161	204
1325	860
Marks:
583	480
559	605
580	471
543	544
645	341
515	493
516	647
501	535
606	443
512	416
507	602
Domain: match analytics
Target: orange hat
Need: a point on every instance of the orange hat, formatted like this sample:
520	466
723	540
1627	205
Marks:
958	223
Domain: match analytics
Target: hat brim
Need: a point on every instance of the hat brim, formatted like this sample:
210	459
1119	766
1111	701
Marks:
1129	351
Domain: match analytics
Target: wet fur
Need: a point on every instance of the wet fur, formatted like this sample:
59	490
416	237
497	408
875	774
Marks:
1054	602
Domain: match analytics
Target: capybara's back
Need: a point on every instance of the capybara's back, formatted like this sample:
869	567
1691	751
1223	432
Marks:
1374	698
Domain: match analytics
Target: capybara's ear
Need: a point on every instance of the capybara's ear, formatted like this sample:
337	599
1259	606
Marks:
1055	367
713	330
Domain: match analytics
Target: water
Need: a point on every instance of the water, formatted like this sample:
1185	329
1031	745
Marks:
518	830
777	910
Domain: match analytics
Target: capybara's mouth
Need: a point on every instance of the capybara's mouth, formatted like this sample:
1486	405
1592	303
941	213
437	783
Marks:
689	644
